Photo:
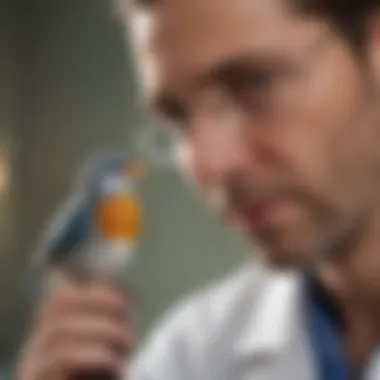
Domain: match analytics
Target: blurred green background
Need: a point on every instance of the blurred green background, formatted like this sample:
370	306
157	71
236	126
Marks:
67	89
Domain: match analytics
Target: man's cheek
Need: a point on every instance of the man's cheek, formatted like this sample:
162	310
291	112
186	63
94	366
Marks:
184	158
192	164
193	172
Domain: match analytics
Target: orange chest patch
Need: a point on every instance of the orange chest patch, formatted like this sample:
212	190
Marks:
120	217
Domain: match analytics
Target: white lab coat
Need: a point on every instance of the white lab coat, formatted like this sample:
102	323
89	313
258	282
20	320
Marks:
249	327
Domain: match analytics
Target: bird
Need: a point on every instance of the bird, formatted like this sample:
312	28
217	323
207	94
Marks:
100	225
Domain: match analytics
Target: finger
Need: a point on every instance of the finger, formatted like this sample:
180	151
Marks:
94	330
70	360
88	299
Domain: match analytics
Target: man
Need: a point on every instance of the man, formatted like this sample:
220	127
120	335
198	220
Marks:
278	102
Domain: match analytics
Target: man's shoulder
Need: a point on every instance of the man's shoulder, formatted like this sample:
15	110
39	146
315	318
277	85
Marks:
216	301
189	328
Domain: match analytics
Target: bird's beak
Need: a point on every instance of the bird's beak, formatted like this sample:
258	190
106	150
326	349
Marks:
137	171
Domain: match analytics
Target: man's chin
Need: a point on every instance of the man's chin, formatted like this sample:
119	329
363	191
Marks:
285	260
279	248
281	256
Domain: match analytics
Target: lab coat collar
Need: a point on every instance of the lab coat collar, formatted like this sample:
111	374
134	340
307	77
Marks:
274	316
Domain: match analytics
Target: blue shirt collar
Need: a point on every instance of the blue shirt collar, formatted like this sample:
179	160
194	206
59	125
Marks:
325	328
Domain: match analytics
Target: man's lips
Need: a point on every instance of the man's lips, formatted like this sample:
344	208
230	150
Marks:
260	216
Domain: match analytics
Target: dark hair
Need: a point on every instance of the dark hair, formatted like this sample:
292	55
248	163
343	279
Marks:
350	17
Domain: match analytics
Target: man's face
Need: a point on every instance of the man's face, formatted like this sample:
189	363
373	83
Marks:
279	116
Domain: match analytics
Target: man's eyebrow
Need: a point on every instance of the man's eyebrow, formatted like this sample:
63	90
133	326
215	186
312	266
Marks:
225	73
240	63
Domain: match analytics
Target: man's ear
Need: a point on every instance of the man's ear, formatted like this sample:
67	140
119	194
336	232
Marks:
373	45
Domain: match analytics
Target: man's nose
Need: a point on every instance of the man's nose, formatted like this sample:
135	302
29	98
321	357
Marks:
219	150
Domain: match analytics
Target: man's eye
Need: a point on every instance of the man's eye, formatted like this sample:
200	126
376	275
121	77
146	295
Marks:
250	85
259	81
171	110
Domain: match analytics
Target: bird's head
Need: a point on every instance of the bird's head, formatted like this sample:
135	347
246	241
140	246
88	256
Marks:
111	173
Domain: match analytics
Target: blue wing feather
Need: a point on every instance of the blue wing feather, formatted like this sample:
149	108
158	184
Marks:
71	234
